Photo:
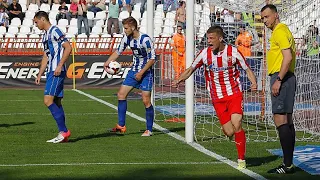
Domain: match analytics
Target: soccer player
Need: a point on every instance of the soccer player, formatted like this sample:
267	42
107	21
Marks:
221	63
281	60
140	76
56	52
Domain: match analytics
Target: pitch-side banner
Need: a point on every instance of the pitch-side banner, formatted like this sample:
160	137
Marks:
22	71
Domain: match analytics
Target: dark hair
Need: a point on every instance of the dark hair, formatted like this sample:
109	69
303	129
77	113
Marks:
130	21
181	3
179	26
62	1
216	29
270	6
40	14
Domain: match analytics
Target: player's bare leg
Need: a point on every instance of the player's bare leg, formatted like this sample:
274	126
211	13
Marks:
240	139
234	127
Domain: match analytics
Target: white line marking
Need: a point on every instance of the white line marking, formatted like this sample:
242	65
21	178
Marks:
180	138
134	163
48	114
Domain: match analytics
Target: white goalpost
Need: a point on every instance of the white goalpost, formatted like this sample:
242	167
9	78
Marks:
189	89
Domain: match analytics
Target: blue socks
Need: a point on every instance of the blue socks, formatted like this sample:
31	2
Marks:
122	109
61	109
58	115
149	117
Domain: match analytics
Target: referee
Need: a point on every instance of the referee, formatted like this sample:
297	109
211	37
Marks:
281	62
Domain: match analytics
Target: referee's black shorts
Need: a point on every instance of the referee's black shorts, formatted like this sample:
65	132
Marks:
283	103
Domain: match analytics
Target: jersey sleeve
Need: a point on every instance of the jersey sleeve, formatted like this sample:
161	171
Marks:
241	60
148	44
282	39
59	36
124	43
198	61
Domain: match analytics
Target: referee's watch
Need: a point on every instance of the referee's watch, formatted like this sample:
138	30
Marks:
279	79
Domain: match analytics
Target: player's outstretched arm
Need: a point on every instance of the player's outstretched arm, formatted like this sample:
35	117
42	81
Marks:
114	56
252	79
43	66
185	75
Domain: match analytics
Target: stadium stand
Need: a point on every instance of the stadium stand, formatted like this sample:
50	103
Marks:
97	23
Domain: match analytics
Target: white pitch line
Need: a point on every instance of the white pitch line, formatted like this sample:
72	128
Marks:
48	114
132	163
180	138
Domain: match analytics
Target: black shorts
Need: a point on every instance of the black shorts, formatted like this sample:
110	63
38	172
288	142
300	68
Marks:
283	103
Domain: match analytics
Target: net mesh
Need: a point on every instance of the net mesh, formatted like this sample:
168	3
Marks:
258	120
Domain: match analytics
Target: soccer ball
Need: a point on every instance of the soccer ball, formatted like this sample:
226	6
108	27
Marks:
114	68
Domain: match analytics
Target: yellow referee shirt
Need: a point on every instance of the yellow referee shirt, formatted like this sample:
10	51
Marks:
281	38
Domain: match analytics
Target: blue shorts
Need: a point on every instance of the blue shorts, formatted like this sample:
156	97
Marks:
54	84
128	2
145	84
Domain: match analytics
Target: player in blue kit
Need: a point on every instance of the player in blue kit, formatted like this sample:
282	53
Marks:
140	76
56	52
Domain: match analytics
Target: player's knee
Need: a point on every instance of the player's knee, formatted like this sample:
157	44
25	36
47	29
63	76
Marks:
236	120
146	102
237	128
228	131
121	95
47	101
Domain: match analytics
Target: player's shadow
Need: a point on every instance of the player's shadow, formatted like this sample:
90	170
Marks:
102	135
174	129
16	124
258	161
94	136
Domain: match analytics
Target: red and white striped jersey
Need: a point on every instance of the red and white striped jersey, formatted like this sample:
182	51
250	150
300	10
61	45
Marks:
221	72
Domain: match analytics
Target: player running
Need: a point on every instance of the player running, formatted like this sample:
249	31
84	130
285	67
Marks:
220	62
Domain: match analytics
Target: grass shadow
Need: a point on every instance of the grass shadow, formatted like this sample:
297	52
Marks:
94	136
17	124
258	161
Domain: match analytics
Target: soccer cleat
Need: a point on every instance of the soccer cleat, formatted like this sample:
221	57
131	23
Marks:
62	137
118	128
147	133
282	169
242	164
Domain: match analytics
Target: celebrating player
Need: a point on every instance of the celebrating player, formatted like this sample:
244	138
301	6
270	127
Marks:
140	76
56	52
220	62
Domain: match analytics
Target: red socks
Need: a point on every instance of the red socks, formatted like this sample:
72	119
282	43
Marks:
240	140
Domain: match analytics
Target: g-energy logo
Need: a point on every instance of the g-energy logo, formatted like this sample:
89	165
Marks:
19	70
30	70
95	71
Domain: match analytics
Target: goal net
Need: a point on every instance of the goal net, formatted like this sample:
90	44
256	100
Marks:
300	16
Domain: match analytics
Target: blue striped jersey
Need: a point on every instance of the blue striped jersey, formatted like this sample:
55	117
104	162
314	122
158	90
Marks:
52	45
142	50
